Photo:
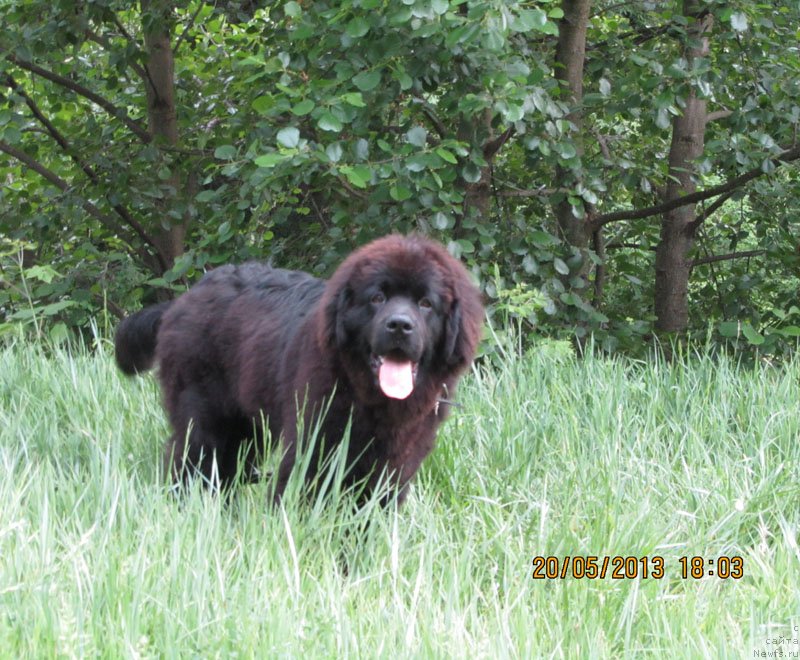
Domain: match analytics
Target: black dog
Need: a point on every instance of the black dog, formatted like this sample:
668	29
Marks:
382	341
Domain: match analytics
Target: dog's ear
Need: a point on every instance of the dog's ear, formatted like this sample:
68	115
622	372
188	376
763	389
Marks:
462	330
333	331
342	302
452	331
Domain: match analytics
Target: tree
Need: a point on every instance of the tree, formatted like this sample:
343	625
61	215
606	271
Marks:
542	141
698	79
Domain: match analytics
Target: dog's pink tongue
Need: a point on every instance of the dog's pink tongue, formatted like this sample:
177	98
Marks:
396	378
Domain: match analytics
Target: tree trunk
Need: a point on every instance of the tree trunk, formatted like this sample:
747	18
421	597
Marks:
157	19
477	195
569	61
677	230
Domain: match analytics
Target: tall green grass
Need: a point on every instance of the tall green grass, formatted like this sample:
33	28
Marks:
547	455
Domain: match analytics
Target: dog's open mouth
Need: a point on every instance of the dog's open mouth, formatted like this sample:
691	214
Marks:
396	375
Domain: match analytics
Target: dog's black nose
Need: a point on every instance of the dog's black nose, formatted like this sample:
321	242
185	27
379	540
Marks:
400	324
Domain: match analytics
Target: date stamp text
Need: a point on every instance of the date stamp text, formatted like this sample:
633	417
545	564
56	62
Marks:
620	567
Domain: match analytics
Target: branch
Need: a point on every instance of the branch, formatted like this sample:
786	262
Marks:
143	72
121	211
429	112
121	28
726	257
112	307
189	25
603	144
109	107
35	165
599	246
711	210
102	40
491	148
718	114
729	186
355	193
640	35
610	8
630	246
49	127
538	192
61	184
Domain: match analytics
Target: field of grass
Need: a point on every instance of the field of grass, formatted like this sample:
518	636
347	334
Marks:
548	456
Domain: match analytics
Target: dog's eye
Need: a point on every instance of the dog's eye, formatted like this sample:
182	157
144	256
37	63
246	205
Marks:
425	303
378	299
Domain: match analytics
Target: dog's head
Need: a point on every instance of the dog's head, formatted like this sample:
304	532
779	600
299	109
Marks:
402	309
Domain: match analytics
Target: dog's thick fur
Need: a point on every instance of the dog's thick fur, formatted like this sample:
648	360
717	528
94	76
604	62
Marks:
253	342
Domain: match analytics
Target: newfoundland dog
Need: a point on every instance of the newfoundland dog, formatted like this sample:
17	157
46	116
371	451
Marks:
378	347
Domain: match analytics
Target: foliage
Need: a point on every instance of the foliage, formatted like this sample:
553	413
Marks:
305	129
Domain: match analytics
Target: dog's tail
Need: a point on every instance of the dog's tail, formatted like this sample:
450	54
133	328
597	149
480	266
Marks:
135	341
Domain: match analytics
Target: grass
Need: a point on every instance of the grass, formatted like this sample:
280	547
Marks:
549	456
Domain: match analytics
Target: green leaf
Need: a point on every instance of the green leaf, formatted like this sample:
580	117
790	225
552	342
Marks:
560	266
529	19
12	134
357	27
446	156
303	108
662	119
405	81
550	28
54	308
440	7
494	39
268	161
442	221
462	34
361	149
739	21
471	173
289	137
328	122
225	152
566	150
751	334
512	112
42	273
59	332
400	193
570	299
263	104
292	9
542	239
367	80
417	136
588	196
401	16
205	196
729	328
359	176
355	99
466	246
334	152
